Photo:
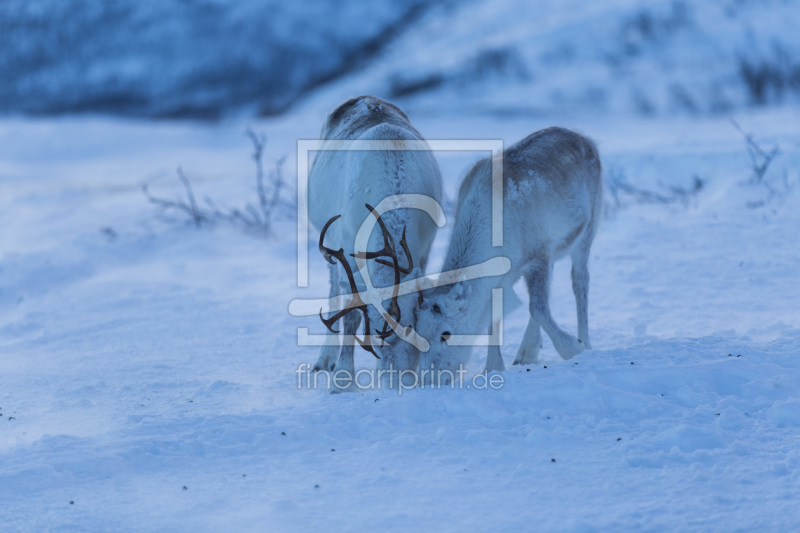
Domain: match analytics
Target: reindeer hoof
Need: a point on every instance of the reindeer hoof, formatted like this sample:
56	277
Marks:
527	356
569	347
318	367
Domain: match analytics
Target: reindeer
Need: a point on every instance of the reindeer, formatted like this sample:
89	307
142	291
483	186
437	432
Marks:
552	197
344	185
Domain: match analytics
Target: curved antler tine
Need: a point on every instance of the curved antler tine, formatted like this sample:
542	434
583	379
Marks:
404	245
367	346
329	322
326	252
384	333
387	330
372	255
394	310
388	241
406	251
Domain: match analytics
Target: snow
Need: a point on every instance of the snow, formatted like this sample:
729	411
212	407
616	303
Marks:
172	58
156	356
217	58
506	57
148	368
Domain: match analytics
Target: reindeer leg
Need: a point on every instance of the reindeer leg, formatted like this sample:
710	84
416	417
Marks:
345	366
528	353
494	359
538	278
580	285
329	352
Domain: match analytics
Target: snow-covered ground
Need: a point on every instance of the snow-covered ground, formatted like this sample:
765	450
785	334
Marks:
209	58
179	58
147	368
655	58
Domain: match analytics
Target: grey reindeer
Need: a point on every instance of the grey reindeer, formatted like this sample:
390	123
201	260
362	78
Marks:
344	187
552	194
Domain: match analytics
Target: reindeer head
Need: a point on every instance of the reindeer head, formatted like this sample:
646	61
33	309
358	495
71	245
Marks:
441	313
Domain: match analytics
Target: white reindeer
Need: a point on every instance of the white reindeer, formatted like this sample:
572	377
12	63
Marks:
552	196
341	182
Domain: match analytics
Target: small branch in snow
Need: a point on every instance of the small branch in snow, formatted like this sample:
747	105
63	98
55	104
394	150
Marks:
190	207
760	159
624	193
252	217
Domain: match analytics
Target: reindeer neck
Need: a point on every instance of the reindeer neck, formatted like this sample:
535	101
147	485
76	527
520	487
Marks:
471	244
471	240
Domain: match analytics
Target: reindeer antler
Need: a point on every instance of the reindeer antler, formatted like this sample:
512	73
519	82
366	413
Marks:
388	248
356	303
332	256
389	251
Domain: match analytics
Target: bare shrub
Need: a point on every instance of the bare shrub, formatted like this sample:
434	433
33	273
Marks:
621	193
253	217
760	159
